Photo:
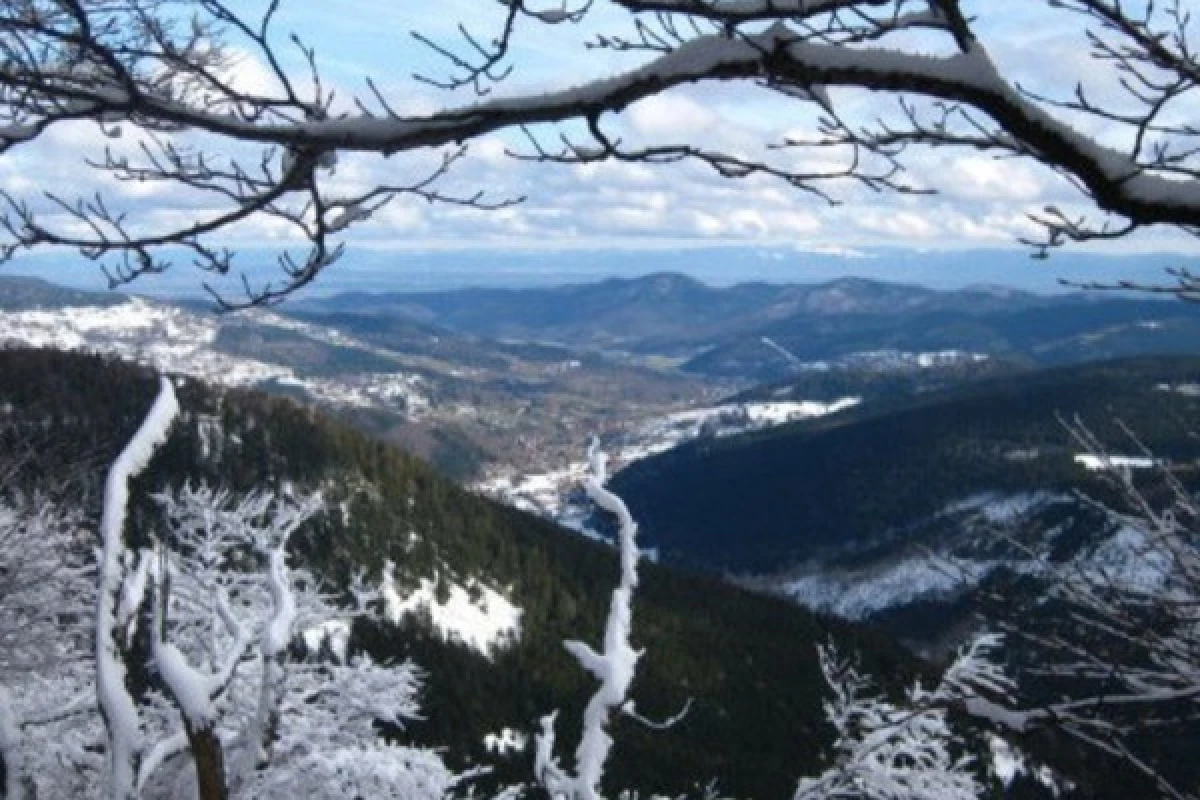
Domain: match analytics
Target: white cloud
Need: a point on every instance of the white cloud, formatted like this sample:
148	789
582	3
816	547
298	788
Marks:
897	224
669	115
707	224
990	178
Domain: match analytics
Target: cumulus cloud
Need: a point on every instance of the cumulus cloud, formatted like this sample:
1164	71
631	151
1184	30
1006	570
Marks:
991	178
669	114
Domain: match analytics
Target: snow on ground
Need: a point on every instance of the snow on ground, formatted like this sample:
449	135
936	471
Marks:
1095	461
1122	557
474	614
744	416
1128	560
1185	389
887	360
1001	508
172	339
856	594
859	593
505	742
542	493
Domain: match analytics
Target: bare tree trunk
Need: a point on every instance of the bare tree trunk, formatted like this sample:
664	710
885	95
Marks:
209	757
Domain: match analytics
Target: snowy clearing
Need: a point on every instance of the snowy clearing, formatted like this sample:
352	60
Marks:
474	614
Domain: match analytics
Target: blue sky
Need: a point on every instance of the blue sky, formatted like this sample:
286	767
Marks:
615	208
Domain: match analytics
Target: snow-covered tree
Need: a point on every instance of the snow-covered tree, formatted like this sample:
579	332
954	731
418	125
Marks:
903	751
253	691
272	716
1125	656
47	699
160	80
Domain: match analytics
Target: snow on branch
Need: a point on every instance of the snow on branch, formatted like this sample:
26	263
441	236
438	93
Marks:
1126	661
613	667
889	751
167	97
47	703
276	716
116	704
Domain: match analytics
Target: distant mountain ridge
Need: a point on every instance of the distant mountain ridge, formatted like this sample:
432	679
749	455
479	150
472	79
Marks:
663	307
19	293
723	333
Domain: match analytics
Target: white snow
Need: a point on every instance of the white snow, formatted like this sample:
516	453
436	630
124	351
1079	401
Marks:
856	594
334	631
189	687
175	340
505	742
1094	462
1001	508
486	623
756	415
860	592
1185	389
888	360
1007	762
1127	560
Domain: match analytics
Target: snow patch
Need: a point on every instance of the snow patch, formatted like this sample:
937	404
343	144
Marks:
1095	462
857	594
1007	762
505	742
474	614
1000	508
334	632
1185	389
1127	560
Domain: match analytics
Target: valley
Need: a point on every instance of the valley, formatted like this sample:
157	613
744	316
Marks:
856	479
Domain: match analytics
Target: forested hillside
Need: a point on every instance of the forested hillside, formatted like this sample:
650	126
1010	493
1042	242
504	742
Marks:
768	500
747	661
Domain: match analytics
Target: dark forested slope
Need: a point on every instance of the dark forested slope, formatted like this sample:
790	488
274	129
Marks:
761	502
747	661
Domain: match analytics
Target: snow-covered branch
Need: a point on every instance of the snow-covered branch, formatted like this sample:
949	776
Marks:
166	94
613	667
116	704
1121	649
908	751
47	701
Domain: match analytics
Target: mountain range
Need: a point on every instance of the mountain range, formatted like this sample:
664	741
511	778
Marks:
760	332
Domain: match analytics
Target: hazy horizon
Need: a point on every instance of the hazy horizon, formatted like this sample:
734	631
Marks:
365	269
